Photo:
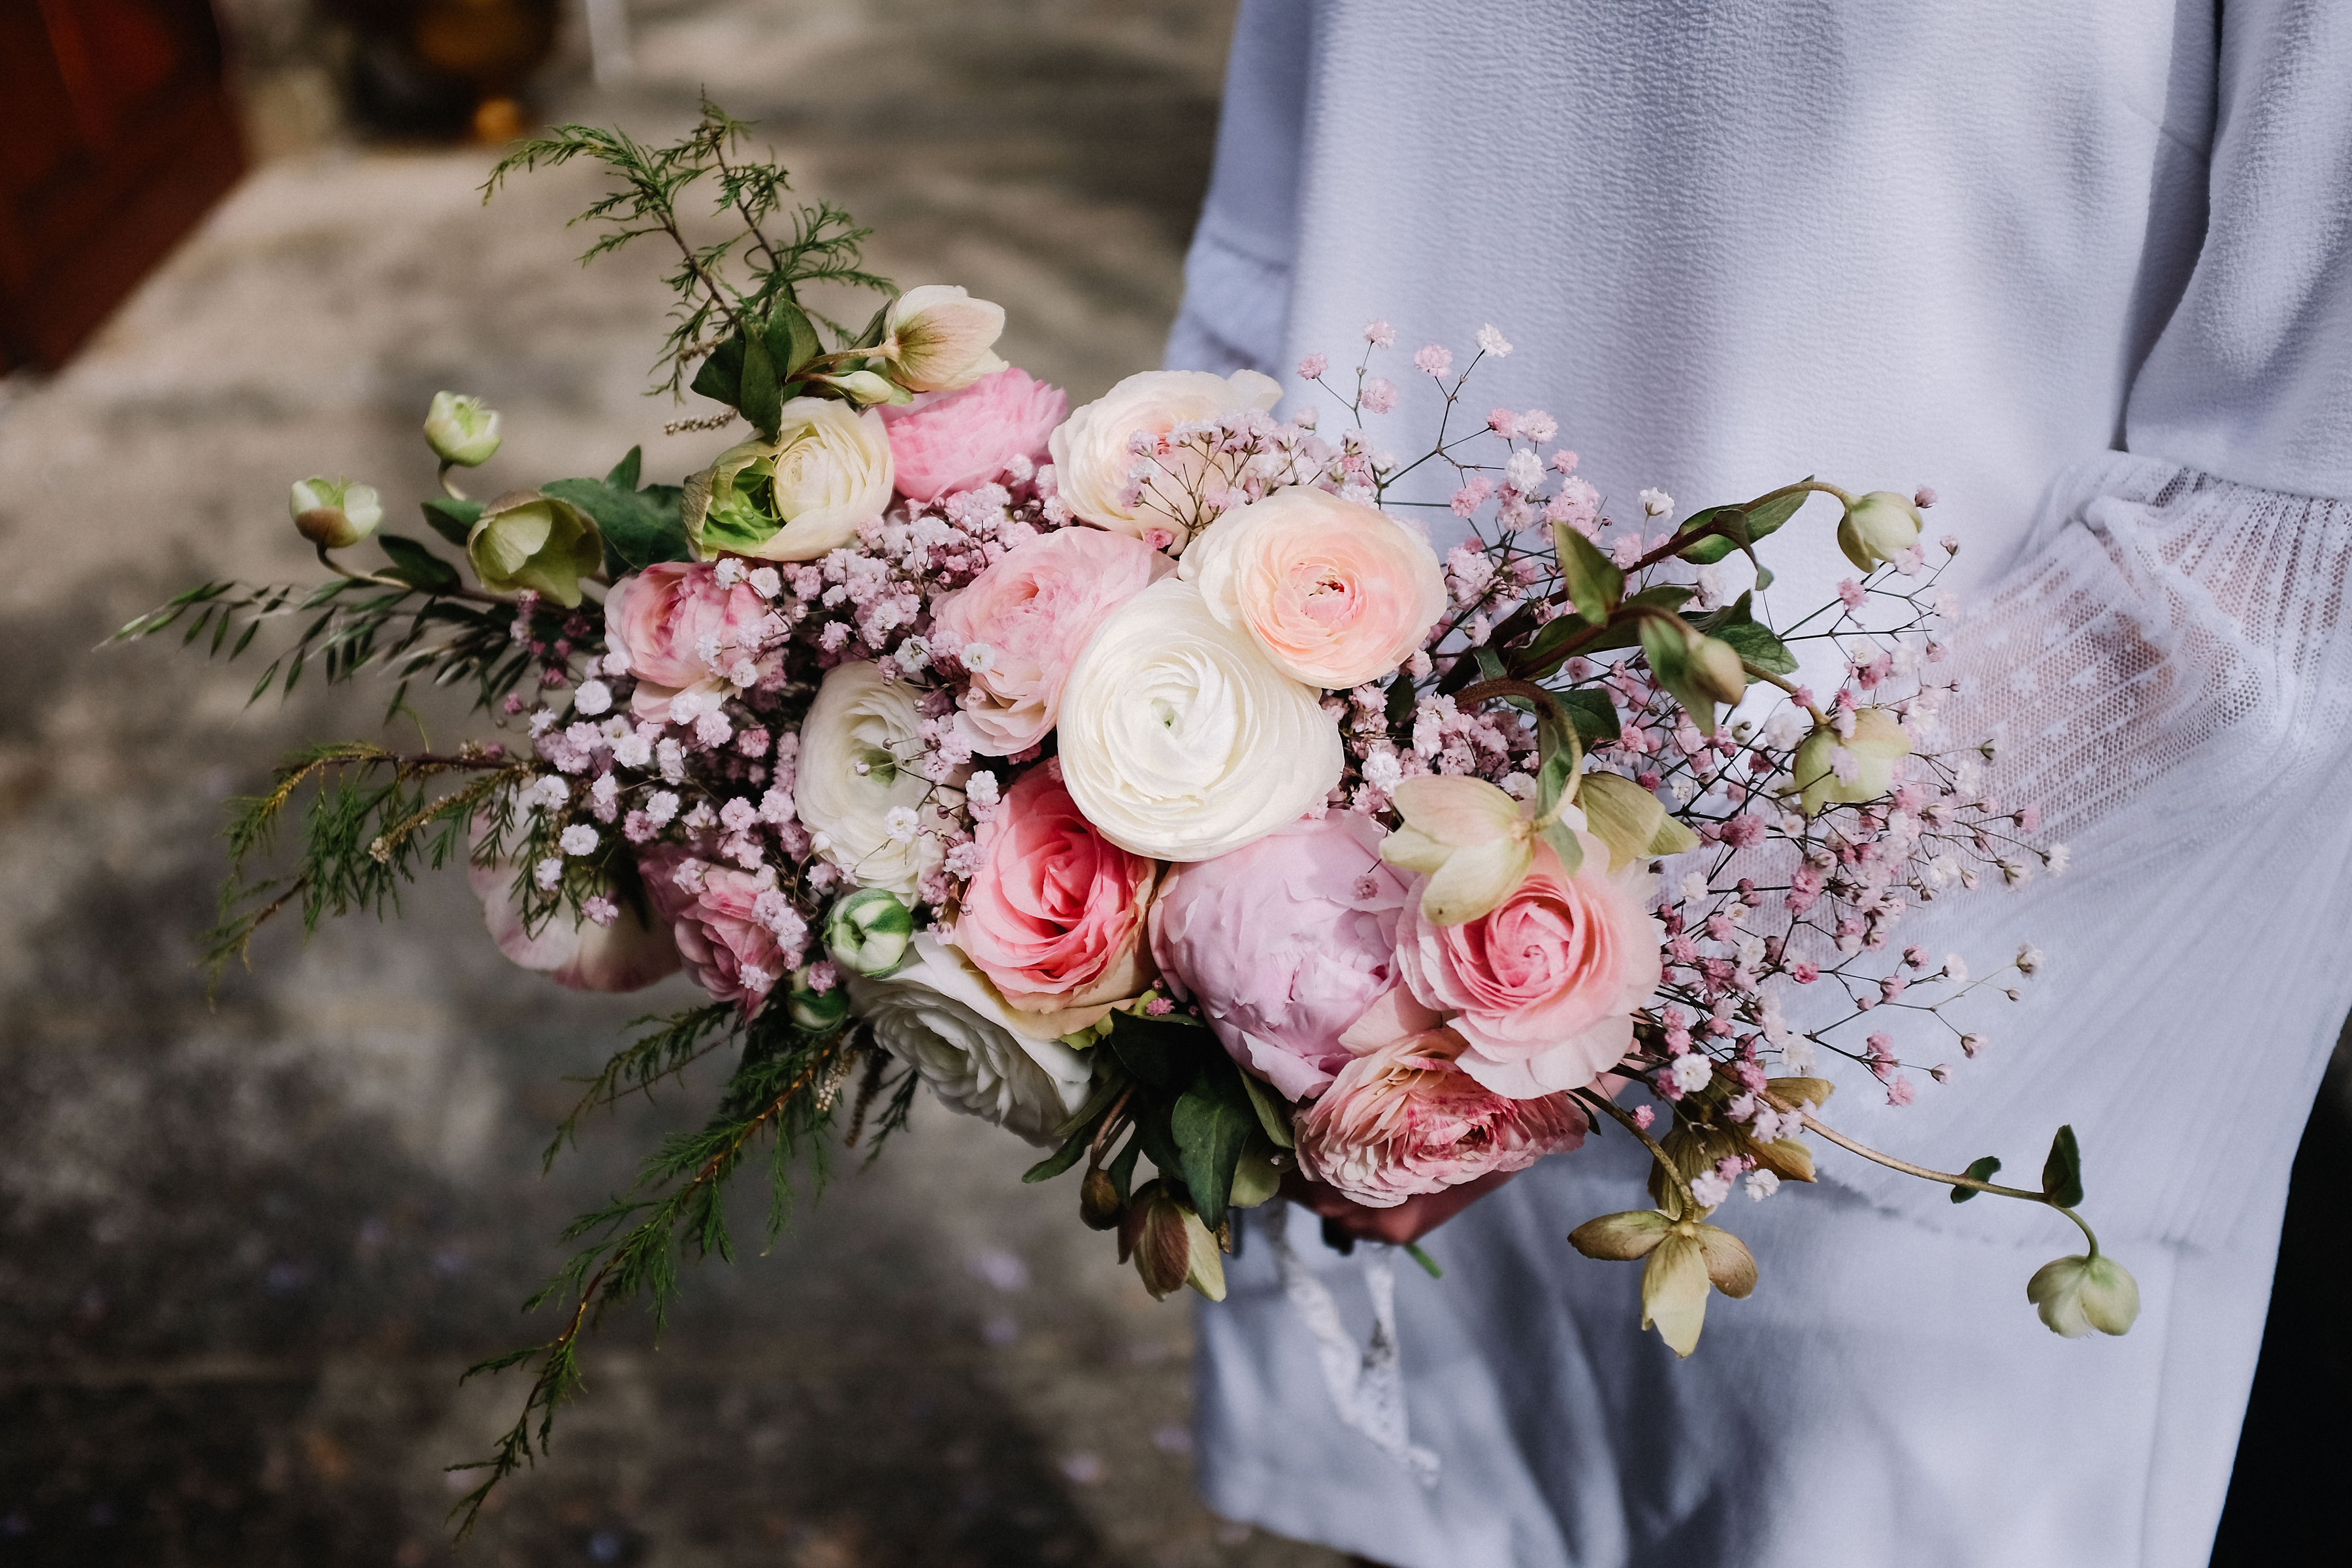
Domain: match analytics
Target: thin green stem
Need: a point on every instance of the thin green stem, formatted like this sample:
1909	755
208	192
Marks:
1625	1118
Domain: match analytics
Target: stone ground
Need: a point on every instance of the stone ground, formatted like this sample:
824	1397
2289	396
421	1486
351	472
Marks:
246	1245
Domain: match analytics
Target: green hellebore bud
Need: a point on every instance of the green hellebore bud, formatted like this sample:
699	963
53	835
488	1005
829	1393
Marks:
864	387
2077	1294
526	540
1169	1245
334	514
868	931
1876	745
1715	669
1099	1204
460	430
1877	528
815	1011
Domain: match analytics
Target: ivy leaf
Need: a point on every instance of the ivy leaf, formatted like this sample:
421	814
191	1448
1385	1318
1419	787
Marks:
2062	1173
640	526
624	473
721	378
791	341
762	402
419	567
1978	1170
453	519
1210	1131
1593	581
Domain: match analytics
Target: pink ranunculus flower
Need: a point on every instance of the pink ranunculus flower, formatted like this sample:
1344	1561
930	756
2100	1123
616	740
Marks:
1335	592
1054	913
1033	613
1404	1119
1284	943
947	441
627	955
658	620
1543	985
730	954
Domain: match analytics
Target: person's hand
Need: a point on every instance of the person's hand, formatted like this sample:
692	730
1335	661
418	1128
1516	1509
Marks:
1409	1221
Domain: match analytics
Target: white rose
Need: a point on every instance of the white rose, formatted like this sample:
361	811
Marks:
799	496
1091	458
938	338
861	720
940	1017
1180	739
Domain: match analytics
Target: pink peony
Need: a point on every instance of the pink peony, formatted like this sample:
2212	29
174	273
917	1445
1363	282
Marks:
1054	912
1543	986
658	620
1335	592
730	954
1284	943
1033	613
626	955
947	441
1404	1119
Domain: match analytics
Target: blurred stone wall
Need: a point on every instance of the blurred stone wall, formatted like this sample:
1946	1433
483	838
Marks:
246	1244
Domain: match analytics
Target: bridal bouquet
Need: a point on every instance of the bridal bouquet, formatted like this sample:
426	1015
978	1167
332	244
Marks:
1143	779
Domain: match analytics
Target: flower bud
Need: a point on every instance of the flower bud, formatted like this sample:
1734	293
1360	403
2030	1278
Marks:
1715	670
863	387
937	338
1877	528
1099	1204
815	1011
526	540
868	933
1876	745
334	514
460	430
1169	1245
2077	1294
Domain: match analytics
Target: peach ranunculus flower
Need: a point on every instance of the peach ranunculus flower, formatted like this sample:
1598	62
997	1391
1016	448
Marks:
1054	913
1543	985
1092	458
1337	593
658	620
1403	1118
1033	612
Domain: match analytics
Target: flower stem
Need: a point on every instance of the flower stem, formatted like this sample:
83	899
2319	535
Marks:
1691	1206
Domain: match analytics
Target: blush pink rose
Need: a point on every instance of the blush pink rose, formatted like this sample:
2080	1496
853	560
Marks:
1335	593
658	619
1284	943
1054	913
730	954
1034	611
1404	1119
947	441
1543	986
626	955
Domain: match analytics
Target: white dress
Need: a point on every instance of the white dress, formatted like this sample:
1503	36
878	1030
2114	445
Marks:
2086	269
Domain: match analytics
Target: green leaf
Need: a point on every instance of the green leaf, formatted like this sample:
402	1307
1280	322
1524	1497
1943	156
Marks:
624	476
1063	1158
1980	1171
721	375
764	401
1164	1054
2062	1173
1402	696
1269	1115
640	526
1593	714
1715	546
1428	1264
1755	645
1210	1131
1594	583
1768	518
876	329
1490	665
453	519
791	341
419	567
1562	756
1566	844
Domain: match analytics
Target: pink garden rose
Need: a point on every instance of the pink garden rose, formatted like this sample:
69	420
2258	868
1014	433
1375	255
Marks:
1054	913
1335	592
1404	1118
657	620
1543	986
947	441
1033	613
726	950
1284	943
626	954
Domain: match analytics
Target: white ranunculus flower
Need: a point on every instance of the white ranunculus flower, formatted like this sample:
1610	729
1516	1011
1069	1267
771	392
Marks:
861	720
937	338
827	471
1179	739
940	1017
1091	458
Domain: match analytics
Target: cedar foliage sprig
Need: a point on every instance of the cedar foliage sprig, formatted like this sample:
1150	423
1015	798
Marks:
773	244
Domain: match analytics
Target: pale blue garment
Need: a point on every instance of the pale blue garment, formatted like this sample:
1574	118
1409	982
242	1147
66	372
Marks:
2087	269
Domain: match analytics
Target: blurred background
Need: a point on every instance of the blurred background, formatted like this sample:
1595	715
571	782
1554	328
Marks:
247	1245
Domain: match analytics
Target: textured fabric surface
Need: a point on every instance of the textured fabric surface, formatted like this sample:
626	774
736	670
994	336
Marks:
2086	271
